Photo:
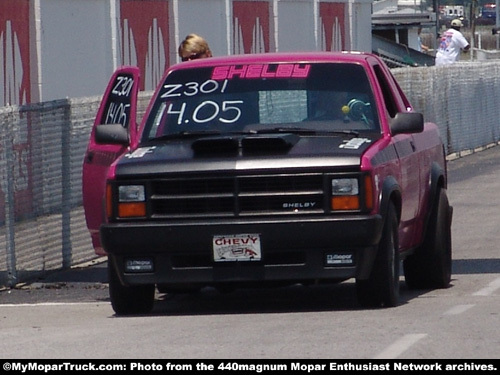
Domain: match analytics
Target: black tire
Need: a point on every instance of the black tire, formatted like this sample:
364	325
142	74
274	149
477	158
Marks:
127	300
430	266
382	287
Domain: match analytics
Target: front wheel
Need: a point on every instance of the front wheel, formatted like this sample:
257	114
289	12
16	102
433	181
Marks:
430	265
382	287
126	300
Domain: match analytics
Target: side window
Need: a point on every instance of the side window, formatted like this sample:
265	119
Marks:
389	100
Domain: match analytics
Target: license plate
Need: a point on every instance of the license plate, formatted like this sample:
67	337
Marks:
237	247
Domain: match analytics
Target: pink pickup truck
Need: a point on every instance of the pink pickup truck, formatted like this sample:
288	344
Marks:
314	163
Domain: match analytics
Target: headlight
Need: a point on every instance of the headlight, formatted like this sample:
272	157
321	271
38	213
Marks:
352	194
131	201
345	194
345	186
131	193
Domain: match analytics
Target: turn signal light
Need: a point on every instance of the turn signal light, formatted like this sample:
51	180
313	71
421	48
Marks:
345	202
132	209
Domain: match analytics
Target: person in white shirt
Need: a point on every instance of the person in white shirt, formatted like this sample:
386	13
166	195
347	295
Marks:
452	41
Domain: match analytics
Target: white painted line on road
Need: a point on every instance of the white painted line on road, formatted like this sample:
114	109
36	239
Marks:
490	289
400	346
458	309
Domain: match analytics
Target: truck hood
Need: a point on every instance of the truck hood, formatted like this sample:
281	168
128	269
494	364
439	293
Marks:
251	152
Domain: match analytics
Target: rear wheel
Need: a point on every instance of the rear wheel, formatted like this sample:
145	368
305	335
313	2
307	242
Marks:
126	300
382	287
430	265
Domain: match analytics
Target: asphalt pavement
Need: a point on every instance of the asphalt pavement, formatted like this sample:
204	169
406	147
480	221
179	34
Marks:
85	282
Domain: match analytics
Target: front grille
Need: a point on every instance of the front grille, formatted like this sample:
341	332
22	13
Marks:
238	196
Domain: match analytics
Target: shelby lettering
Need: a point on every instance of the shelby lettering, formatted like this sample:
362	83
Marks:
261	71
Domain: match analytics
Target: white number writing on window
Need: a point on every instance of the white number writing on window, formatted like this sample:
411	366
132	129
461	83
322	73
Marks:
227	112
123	86
117	114
227	108
202	106
193	88
180	113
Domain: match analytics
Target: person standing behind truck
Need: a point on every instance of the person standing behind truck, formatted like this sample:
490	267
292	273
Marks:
194	47
452	42
421	47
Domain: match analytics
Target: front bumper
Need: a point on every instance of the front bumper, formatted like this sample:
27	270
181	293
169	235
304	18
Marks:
292	250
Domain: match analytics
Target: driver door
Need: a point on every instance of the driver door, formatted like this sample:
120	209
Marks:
118	106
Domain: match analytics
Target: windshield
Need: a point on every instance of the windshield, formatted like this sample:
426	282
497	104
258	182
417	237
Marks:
252	98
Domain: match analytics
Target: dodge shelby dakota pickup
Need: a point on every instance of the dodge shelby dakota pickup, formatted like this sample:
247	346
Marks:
262	170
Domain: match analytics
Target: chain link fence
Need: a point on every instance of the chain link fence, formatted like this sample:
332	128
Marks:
461	98
42	224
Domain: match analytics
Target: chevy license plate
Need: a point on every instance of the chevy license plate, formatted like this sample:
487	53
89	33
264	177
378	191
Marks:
237	247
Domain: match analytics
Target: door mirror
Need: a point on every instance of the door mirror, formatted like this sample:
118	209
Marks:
111	134
407	122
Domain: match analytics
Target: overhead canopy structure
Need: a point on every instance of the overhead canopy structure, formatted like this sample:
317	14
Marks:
395	32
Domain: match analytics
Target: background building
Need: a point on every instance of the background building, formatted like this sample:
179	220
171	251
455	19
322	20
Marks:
52	49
